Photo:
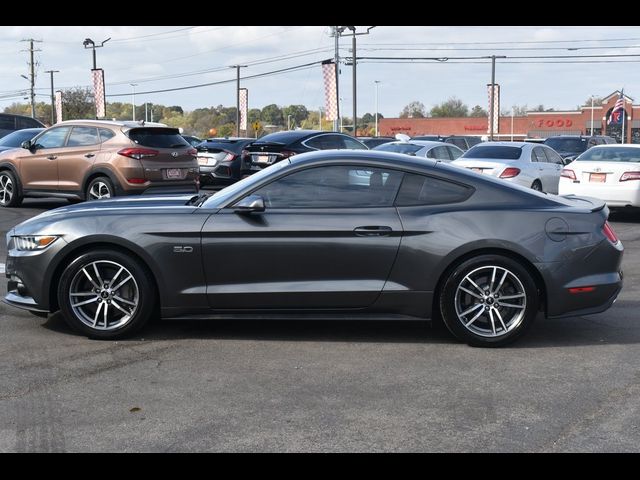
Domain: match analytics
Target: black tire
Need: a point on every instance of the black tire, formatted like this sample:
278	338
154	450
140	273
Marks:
537	186
10	190
100	187
73	201
139	290
480	332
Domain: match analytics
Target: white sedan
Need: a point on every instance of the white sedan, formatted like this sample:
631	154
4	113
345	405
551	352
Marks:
527	164
608	172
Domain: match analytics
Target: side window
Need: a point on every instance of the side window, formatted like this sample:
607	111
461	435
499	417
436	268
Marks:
26	123
439	153
326	142
458	142
7	122
83	136
352	144
423	190
105	134
53	138
538	155
553	156
454	152
333	187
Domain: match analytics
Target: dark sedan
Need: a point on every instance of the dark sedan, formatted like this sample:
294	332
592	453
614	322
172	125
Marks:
275	147
220	160
325	235
15	139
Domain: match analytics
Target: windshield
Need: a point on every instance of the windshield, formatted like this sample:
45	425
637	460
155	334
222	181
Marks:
611	154
499	152
407	148
573	145
16	138
225	194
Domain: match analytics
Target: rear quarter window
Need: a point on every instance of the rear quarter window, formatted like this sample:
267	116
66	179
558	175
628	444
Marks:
157	137
423	190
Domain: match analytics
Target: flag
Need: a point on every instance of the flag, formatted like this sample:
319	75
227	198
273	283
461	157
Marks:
244	108
617	111
330	92
98	92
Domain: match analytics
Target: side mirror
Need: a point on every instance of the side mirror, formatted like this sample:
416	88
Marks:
250	204
26	145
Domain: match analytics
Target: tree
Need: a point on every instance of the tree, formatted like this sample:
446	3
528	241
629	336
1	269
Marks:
77	103
597	102
272	115
414	109
299	114
254	115
478	111
453	107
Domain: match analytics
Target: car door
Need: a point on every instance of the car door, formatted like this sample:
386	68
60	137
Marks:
324	241
39	166
439	153
83	144
545	170
555	165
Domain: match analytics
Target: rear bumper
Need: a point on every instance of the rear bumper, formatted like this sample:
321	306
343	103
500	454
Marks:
615	195
588	303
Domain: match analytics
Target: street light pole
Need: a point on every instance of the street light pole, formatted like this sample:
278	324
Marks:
377	82
53	98
133	101
88	43
493	93
355	100
591	129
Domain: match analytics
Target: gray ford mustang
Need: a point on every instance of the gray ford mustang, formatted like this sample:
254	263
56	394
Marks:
324	235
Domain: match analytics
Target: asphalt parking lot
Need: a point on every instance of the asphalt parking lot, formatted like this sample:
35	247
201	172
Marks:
569	385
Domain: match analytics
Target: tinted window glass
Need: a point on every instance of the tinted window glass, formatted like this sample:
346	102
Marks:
538	155
458	142
53	138
7	122
568	145
234	146
352	144
611	154
500	152
105	134
473	141
422	190
553	157
439	153
16	138
326	142
454	152
22	122
158	137
407	148
333	187
83	136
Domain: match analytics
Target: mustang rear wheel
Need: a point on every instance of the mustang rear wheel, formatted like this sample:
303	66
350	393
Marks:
106	294
489	301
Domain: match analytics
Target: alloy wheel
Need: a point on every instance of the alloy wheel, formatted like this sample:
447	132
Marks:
99	190
490	301
6	189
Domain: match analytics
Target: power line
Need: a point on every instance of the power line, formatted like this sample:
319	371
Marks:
529	42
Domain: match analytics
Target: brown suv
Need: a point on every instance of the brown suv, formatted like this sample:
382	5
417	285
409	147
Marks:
92	159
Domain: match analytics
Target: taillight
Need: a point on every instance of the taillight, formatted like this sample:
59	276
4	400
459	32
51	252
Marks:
138	153
609	233
287	153
510	172
228	157
193	152
568	173
630	176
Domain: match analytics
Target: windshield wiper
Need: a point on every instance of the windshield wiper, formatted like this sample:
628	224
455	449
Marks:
199	199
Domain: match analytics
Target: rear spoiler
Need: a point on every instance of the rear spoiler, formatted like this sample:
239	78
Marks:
590	203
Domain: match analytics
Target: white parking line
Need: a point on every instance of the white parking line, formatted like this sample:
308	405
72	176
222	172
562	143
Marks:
1	267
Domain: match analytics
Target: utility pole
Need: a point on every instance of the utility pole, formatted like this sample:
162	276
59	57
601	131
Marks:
355	102
53	98
377	82
238	67
336	33
32	73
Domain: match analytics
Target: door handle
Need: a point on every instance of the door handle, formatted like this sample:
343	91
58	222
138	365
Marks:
51	157
90	155
373	231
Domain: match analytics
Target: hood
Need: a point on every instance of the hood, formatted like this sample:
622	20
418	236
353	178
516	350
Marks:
5	148
132	205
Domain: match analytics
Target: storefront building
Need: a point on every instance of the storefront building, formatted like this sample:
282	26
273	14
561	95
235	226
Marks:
531	125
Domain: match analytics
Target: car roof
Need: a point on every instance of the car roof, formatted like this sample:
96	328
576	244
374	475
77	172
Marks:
504	144
614	145
422	143
113	123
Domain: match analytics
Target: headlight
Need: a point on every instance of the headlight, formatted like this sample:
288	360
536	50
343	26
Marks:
33	242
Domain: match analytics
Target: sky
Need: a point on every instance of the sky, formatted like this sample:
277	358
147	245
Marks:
164	57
